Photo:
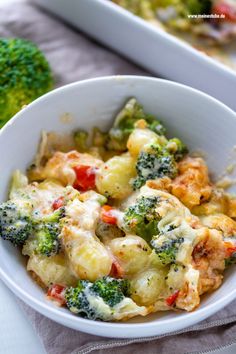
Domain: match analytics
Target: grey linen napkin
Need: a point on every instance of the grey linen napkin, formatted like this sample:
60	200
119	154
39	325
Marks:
74	57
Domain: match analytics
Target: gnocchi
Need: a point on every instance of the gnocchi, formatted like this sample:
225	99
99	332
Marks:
132	252
148	286
114	176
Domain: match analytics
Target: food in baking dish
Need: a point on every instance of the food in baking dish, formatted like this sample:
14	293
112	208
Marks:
209	25
121	223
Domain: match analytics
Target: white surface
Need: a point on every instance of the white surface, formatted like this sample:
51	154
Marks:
94	102
145	44
16	333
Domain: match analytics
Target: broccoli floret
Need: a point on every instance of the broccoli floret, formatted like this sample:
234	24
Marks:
16	222
47	239
142	219
77	301
125	122
176	147
152	164
166	249
47	231
96	300
80	138
54	217
24	75
111	290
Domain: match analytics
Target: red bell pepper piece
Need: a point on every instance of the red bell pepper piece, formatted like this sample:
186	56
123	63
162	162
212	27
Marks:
57	293
58	203
116	270
85	177
107	216
172	298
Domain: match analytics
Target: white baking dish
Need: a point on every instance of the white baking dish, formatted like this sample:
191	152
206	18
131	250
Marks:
159	52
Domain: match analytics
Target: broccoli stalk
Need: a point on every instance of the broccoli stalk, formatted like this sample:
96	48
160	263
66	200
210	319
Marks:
24	75
96	300
142	219
155	162
125	122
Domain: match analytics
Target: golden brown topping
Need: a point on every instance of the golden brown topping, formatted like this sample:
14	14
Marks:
192	186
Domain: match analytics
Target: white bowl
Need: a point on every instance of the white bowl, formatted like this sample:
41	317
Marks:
201	121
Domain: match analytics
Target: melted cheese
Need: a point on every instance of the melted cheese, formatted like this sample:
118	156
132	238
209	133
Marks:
89	258
85	214
127	308
103	310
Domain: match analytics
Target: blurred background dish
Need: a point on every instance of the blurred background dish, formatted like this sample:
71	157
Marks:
209	25
151	47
